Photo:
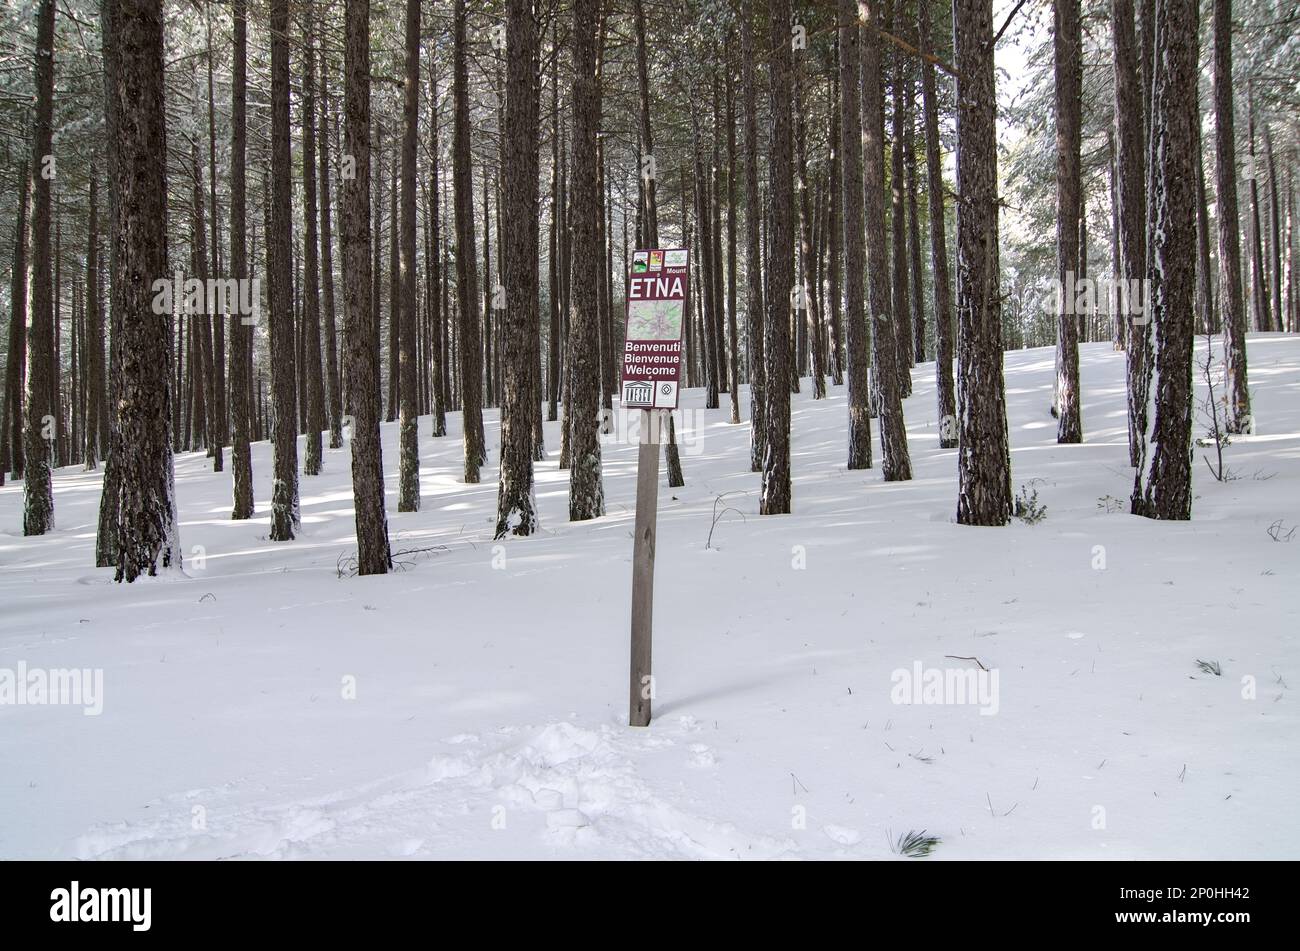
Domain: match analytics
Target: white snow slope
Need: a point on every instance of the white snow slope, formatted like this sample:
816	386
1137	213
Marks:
490	706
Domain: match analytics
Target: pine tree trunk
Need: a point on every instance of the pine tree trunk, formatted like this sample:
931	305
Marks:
1068	48
983	456
470	341
1231	303
1171	271
586	492
889	375
835	234
807	254
409	430
333	394
775	498
147	533
41	429
93	347
943	318
284	434
360	319
16	365
241	457
516	505
858	335
1131	171
311	264
901	285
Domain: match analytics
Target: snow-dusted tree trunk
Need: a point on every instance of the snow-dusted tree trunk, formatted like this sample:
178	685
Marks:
284	430
240	333
857	333
1231	303
983	457
888	363
1068	49
147	537
516	505
753	245
1171	269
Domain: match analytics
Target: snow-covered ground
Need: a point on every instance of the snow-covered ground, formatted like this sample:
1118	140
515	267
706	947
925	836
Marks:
474	704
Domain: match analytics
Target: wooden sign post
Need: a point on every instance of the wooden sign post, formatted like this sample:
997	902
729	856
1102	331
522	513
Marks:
657	295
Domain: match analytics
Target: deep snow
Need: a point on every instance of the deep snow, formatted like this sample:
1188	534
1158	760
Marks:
490	679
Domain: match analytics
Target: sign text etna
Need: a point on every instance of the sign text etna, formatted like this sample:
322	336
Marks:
657	292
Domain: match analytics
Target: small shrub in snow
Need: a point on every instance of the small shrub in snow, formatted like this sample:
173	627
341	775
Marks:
1209	667
914	845
1027	507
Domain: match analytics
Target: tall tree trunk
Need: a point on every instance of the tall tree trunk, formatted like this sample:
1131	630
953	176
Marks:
441	370
516	504
147	535
850	147
333	394
1254	239
470	340
1068	48
360	320
241	369
16	366
943	318
913	225
835	234
901	284
284	435
408	493
775	498
1171	270
311	262
93	347
1236	391
983	456
1133	303
733	342
890	375
586	492
807	254
41	428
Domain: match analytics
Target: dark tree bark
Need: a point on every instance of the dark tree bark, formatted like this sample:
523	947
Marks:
94	425
147	535
896	465
333	389
984	464
441	371
900	285
943	318
1131	172
408	493
241	368
41	425
470	340
360	320
1254	239
586	492
516	505
1237	393
284	433
857	332
1068	48
16	366
733	342
835	234
775	499
311	263
807	253
1171	271
913	225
